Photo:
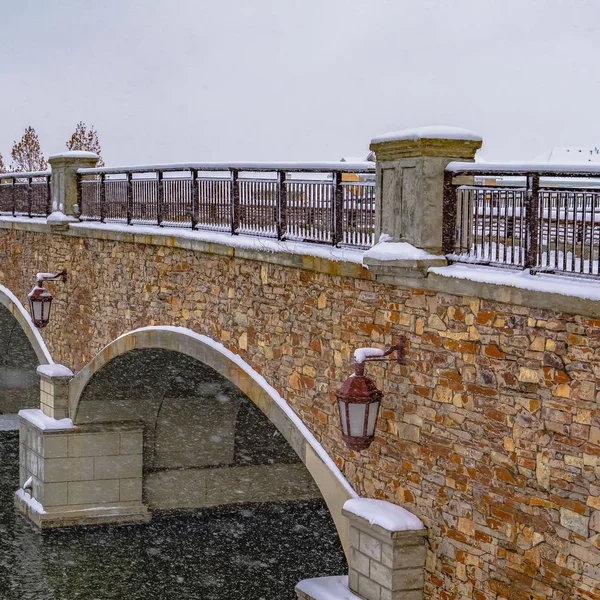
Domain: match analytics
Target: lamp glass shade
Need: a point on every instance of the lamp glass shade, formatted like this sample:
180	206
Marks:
46	310
357	419
372	421
343	418
37	309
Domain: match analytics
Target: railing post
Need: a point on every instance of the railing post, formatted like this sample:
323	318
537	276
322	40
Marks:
29	196
532	220
195	198
49	195
449	209
337	233
129	200
102	197
13	191
411	168
282	205
160	198
79	195
235	202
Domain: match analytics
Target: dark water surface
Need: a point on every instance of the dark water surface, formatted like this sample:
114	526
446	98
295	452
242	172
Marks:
246	552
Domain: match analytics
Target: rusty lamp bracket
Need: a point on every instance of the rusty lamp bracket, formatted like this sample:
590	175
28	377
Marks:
399	347
62	276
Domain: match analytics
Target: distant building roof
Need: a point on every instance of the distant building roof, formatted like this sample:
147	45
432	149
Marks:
354	159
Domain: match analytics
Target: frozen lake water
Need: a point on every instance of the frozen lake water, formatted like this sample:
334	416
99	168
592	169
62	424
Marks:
248	552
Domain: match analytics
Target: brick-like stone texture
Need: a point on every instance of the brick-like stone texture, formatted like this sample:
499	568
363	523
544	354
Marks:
490	433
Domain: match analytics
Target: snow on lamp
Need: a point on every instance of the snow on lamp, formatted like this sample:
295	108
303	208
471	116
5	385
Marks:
359	399
40	299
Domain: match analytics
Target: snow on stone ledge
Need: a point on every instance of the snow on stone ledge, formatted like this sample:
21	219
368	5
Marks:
54	371
31	502
36	417
73	154
244	242
40	220
553	284
388	251
327	588
385	514
59	217
432	132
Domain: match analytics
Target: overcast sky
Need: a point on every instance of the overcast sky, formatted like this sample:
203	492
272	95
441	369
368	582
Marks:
199	80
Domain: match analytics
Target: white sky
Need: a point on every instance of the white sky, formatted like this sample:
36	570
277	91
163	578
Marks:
199	80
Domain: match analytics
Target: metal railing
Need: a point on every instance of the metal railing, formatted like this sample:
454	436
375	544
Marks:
328	203
530	216
25	194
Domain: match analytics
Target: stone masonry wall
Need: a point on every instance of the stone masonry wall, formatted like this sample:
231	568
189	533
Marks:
490	433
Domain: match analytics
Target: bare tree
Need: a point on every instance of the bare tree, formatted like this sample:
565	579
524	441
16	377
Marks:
27	154
2	169
84	139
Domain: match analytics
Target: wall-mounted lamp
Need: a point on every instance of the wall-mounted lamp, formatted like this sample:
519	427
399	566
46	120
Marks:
40	299
359	399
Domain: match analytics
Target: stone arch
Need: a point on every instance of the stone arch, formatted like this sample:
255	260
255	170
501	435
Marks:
333	486
21	351
19	312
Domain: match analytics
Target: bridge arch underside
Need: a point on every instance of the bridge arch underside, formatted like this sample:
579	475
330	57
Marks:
205	442
19	382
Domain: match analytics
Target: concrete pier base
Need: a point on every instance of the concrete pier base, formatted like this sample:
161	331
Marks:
65	516
84	475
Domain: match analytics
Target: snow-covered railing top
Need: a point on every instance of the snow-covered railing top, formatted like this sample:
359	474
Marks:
265	167
537	216
515	169
25	175
319	202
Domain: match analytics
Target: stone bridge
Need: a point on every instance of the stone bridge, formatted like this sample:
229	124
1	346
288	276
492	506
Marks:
184	351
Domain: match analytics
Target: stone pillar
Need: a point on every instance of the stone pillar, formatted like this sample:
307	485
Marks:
54	390
387	551
386	560
64	178
410	180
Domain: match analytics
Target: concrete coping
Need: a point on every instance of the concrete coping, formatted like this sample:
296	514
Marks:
426	141
406	267
436	132
387	272
326	588
55	372
86	427
74	154
110	426
384	521
73	159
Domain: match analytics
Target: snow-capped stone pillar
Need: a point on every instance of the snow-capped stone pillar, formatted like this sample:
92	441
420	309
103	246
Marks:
64	179
386	559
410	181
387	551
54	390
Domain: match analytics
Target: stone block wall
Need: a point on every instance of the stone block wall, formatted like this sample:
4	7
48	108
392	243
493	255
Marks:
75	470
490	433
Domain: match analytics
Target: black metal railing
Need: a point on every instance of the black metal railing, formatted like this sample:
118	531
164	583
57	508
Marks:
531	217
25	194
329	203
